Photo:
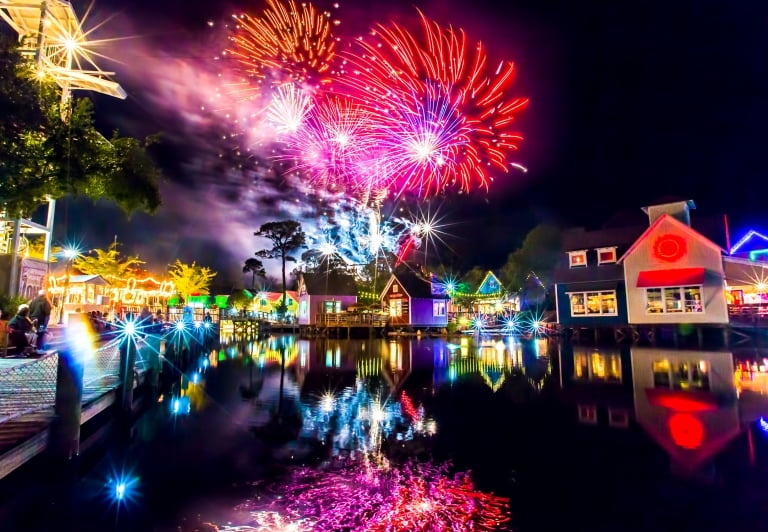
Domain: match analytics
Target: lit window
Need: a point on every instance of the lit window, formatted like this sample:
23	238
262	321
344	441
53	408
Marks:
438	308
597	367
395	288
601	303
682	375
577	259
671	300
606	255
396	308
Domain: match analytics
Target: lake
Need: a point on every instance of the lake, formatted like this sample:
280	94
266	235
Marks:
435	434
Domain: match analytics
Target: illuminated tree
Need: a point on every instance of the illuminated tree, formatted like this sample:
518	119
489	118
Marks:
190	278
109	263
286	236
45	152
239	299
256	267
36	249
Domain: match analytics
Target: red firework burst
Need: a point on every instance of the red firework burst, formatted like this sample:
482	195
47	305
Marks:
446	118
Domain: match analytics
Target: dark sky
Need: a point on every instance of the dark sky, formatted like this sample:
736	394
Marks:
630	101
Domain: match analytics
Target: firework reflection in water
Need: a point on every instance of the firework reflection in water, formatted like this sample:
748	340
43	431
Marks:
367	492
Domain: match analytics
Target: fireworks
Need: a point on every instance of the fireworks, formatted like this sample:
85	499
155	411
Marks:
443	117
287	43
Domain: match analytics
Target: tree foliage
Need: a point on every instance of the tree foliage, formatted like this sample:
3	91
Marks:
47	152
190	278
539	254
109	263
286	236
239	299
256	268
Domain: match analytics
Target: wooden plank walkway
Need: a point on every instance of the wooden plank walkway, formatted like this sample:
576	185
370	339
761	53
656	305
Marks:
28	392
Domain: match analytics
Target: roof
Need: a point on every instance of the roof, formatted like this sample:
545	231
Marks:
277	296
333	283
415	286
93	279
673	221
744	271
669	200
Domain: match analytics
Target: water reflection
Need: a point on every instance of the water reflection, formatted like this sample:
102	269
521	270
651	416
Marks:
692	403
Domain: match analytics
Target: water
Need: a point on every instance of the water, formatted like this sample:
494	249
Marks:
427	434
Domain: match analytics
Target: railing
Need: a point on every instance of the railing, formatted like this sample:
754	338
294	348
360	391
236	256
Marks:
754	314
343	319
30	386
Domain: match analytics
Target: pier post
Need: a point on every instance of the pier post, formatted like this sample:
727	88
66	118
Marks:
127	364
67	408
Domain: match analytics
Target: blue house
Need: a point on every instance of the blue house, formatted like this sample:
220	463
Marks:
753	246
589	282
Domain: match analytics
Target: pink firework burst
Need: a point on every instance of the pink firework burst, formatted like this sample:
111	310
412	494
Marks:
331	145
442	117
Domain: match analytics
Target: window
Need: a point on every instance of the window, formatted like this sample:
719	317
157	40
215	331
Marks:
597	367
396	308
438	308
601	303
606	255
681	375
395	288
577	258
332	307
678	299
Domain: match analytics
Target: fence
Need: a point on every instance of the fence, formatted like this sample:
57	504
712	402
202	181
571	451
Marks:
30	386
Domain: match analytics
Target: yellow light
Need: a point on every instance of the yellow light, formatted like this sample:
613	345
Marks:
70	44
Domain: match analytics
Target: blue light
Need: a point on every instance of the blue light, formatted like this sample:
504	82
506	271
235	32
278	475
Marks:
130	328
207	324
180	406
120	488
195	378
763	424
198	325
180	326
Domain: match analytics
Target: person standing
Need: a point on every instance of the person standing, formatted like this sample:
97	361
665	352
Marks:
40	312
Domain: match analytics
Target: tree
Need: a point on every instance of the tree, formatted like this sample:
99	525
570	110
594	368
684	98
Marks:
47	152
256	267
539	253
190	278
109	263
286	236
36	249
239	299
315	261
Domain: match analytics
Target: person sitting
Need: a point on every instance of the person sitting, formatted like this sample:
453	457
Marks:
18	328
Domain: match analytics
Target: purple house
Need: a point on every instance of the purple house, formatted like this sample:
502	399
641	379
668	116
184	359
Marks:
415	301
321	293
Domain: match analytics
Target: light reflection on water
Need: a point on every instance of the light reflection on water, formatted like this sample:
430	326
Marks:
361	414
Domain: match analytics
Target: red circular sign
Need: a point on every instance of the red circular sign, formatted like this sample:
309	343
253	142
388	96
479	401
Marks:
686	431
670	248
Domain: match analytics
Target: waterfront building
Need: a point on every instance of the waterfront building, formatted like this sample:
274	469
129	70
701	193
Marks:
267	304
324	294
413	301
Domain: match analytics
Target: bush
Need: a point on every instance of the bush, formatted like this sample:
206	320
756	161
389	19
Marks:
9	305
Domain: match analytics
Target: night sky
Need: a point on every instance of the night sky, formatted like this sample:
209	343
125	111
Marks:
630	102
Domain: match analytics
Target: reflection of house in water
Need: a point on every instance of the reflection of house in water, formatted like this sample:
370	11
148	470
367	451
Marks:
598	381
492	360
686	401
325	365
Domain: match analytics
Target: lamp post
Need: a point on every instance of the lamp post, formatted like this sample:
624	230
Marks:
69	254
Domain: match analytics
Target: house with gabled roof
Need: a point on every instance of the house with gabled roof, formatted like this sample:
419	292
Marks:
673	273
415	301
753	246
324	293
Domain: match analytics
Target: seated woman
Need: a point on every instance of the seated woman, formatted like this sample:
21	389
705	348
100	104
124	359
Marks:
18	328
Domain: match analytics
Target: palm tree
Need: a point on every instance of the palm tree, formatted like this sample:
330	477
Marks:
256	268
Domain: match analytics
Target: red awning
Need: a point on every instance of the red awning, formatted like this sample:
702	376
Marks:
678	277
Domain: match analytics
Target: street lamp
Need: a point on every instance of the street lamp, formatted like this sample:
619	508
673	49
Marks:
69	254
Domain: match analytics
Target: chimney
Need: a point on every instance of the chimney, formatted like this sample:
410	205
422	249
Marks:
681	210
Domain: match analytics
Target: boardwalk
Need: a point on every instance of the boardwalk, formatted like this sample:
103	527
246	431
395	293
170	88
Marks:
28	393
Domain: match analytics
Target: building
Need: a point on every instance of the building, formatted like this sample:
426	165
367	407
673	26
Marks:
414	301
324	293
666	272
78	293
673	273
753	246
267	304
589	281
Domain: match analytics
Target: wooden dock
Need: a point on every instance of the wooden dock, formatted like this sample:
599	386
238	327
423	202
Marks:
28	394
334	323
